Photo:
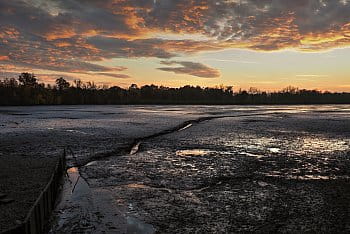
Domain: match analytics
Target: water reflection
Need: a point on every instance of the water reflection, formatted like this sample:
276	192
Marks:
135	148
318	145
138	186
194	152
251	155
136	226
79	187
184	128
274	150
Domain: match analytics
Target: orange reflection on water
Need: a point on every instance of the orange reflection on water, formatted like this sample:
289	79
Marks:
73	170
193	152
140	186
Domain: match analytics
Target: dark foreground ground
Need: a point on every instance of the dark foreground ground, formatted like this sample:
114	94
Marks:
251	169
32	138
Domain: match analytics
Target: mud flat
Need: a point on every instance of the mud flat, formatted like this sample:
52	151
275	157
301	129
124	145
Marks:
32	138
201	169
21	180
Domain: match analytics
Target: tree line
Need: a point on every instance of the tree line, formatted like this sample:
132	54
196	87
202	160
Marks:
25	90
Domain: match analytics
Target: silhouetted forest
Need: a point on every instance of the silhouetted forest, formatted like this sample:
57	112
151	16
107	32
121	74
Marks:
25	90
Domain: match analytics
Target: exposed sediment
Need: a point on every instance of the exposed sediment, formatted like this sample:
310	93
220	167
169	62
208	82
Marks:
253	173
270	171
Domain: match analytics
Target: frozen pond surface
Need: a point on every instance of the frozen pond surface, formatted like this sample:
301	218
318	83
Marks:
192	168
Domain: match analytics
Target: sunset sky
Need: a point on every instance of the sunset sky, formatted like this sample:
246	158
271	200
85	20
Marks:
268	44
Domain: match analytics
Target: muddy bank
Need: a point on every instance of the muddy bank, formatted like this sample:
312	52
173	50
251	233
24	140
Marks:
21	180
282	173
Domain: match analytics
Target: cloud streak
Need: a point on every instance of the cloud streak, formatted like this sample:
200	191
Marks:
114	75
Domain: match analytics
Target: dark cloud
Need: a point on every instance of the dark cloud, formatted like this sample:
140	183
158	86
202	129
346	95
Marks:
116	48
190	68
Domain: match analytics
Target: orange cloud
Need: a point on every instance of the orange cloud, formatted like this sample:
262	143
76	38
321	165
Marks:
326	40
7	32
4	58
60	33
62	44
191	46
